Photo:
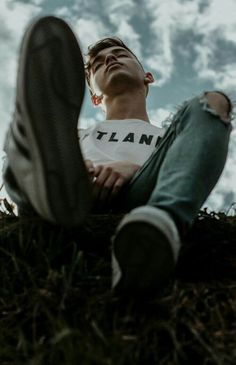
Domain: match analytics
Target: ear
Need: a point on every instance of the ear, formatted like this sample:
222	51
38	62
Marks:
96	100
148	78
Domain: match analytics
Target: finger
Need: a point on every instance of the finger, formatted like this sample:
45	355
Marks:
107	187
103	175
90	169
88	164
97	170
99	180
113	193
117	186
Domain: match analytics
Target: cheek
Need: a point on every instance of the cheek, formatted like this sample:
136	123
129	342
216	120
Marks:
94	82
99	81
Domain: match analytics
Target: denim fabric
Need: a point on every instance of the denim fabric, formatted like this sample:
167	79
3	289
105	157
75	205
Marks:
180	173
186	165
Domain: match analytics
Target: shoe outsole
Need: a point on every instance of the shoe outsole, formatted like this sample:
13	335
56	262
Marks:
145	259
50	89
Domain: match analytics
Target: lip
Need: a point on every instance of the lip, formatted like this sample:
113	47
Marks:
112	64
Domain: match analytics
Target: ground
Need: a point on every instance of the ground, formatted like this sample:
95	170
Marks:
56	306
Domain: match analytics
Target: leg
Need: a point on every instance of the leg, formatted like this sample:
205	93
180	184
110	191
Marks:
195	161
45	168
173	185
24	207
180	175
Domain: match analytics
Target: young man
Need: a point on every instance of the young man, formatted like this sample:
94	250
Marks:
161	178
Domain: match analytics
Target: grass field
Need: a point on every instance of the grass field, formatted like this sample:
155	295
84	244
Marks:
56	306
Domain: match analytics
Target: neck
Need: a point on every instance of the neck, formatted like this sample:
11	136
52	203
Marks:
126	106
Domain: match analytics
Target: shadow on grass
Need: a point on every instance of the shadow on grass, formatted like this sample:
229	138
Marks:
56	306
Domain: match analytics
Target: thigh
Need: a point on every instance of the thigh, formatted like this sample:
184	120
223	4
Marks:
189	118
139	189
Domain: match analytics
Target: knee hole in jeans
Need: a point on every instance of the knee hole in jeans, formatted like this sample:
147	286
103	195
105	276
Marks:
219	104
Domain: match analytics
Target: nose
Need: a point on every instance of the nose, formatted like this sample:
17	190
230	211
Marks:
109	58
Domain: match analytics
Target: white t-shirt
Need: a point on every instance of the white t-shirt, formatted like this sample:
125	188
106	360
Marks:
131	140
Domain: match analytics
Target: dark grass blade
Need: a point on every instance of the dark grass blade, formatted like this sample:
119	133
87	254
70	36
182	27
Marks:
56	306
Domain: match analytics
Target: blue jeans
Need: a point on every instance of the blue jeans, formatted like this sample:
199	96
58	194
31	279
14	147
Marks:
181	172
186	165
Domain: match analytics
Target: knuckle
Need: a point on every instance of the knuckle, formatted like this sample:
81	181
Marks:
119	183
116	189
98	183
106	186
108	169
116	175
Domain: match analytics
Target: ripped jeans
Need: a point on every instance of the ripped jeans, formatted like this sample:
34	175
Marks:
181	172
186	165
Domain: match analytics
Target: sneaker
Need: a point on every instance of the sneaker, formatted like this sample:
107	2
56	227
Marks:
144	251
42	143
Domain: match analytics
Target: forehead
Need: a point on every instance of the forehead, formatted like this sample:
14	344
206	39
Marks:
113	49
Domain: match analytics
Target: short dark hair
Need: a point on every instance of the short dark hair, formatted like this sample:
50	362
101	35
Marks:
95	48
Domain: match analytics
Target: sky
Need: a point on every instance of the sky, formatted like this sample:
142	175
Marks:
188	45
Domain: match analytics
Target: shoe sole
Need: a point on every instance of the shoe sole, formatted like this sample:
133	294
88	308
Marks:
144	257
50	89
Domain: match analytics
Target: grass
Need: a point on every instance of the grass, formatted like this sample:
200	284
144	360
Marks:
56	306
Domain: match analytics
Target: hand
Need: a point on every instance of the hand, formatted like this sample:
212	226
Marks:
90	168
110	178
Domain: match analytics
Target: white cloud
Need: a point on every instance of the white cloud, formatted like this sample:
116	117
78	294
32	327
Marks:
167	18
223	78
91	27
226	183
120	7
38	2
167	22
120	14
218	15
90	30
215	22
86	122
159	116
14	17
127	33
63	12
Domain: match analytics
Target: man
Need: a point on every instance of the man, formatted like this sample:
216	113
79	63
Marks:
161	178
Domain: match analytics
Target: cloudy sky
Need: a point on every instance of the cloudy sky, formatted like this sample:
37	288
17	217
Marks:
188	45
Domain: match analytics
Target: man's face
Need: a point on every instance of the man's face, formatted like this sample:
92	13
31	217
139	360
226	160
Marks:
113	70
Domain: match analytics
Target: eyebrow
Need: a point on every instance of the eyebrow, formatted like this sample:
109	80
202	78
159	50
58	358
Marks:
114	51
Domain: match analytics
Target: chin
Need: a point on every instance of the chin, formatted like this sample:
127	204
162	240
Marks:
120	80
